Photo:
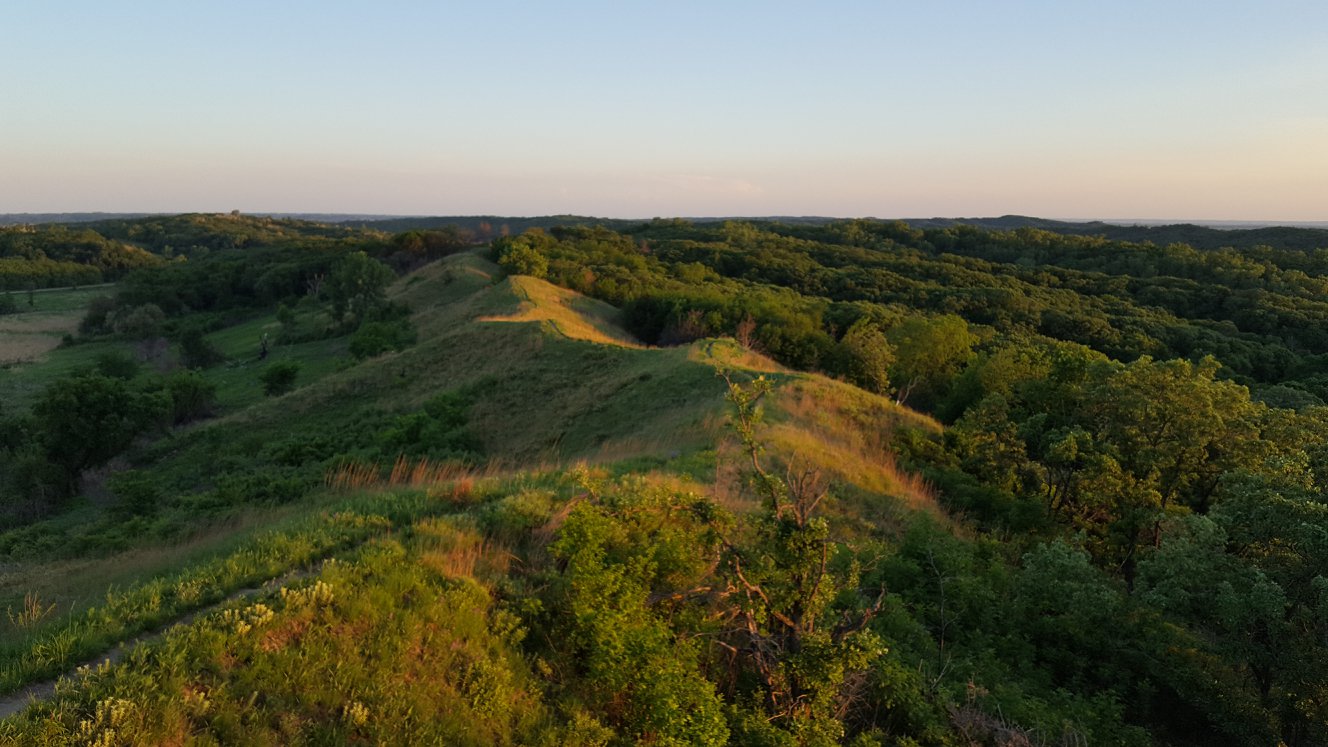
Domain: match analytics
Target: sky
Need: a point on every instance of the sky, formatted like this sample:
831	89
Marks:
1214	110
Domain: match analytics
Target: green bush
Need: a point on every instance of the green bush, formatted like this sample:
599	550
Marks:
115	364
518	256
192	396
279	378
438	430
196	351
376	338
138	493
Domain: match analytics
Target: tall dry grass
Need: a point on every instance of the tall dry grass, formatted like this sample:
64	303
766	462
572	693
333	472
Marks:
441	479
848	434
457	551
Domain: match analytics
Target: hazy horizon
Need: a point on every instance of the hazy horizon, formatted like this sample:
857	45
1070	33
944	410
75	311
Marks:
741	109
89	216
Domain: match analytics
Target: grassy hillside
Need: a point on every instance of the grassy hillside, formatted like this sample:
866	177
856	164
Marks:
550	380
493	510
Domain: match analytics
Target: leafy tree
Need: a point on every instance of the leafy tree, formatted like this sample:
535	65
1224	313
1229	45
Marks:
929	352
138	321
631	666
82	422
357	286
522	255
192	396
33	484
785	589
868	357
196	351
117	365
96	318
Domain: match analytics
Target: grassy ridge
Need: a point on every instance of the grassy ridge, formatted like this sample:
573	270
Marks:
550	380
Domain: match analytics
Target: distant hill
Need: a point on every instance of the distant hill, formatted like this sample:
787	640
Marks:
1203	235
1235	235
20	219
1197	236
515	225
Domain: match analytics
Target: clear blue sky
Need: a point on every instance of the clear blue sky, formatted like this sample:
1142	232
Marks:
1163	109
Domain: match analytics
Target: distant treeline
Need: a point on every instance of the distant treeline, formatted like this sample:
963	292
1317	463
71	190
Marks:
25	274
56	255
1199	237
1260	312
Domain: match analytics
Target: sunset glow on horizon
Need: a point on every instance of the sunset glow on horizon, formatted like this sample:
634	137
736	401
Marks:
1142	110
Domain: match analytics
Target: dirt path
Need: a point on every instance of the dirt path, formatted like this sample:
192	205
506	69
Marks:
61	288
17	701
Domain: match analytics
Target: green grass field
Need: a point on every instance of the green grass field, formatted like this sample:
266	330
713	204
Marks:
238	385
30	352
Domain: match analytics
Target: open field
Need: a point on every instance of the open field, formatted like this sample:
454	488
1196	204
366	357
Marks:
35	330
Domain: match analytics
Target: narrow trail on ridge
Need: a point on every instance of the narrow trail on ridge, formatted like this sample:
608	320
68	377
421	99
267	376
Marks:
16	701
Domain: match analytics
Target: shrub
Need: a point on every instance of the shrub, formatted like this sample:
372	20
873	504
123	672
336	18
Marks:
96	320
196	351
279	378
138	493
139	321
376	338
192	396
438	430
114	364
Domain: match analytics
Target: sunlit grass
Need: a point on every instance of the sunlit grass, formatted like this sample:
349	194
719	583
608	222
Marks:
565	312
46	650
397	645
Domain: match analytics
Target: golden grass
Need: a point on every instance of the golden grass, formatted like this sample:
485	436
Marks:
458	552
846	433
30	613
844	411
449	480
38	324
870	470
565	312
727	352
17	347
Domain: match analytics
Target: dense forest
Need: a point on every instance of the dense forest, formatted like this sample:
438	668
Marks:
672	482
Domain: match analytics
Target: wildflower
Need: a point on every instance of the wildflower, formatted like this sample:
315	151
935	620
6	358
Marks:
355	713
